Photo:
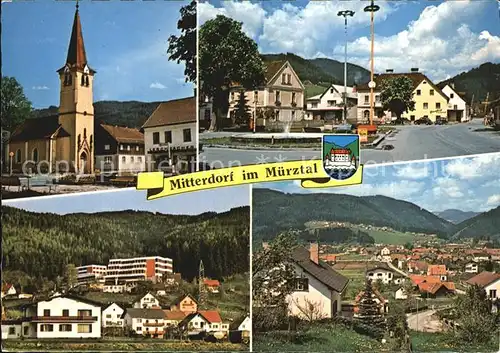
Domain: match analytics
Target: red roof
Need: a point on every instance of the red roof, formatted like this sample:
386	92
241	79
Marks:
174	315
436	270
211	316
340	151
484	278
417	279
433	288
211	282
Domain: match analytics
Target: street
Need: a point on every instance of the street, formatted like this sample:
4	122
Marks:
411	142
424	321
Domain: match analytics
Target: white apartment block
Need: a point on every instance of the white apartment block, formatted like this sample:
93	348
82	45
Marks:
127	271
90	273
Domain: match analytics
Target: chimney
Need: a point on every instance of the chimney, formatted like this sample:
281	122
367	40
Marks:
265	245
314	252
414	69
389	70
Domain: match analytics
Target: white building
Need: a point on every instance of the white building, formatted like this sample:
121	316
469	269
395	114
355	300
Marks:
384	274
147	302
401	294
90	273
471	267
203	321
62	317
244	325
170	136
8	289
489	281
112	316
145	322
329	104
316	284
121	274
11	329
458	109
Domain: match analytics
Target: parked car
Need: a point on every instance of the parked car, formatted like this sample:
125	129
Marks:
387	147
401	121
441	121
423	121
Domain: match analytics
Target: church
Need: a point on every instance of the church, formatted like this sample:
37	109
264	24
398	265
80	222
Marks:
63	142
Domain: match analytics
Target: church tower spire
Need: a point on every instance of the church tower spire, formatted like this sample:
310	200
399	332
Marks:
76	110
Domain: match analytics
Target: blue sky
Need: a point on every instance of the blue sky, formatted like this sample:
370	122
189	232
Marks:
467	184
442	38
217	200
125	41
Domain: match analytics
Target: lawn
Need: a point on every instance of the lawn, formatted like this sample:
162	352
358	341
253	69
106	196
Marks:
324	338
122	345
356	282
312	90
442	342
395	237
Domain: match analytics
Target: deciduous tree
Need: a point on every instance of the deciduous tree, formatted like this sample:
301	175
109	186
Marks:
226	56
397	95
183	47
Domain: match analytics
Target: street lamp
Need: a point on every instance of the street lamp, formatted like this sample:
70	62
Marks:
345	14
372	8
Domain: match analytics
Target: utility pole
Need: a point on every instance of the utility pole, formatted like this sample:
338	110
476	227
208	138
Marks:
372	8
345	14
486	103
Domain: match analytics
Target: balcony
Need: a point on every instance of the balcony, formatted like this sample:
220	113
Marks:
153	324
56	319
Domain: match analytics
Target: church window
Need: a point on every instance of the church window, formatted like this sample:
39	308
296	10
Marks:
35	155
79	140
84	133
18	156
82	81
86	80
91	141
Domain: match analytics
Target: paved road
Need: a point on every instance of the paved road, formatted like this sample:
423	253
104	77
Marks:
410	143
424	321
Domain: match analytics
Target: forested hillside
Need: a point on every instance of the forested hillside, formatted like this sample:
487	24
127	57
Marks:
129	114
484	226
275	212
40	245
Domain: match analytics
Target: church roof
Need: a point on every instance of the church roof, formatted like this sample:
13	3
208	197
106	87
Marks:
124	134
77	58
172	112
38	129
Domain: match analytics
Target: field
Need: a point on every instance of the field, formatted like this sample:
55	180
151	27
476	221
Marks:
356	277
121	345
392	238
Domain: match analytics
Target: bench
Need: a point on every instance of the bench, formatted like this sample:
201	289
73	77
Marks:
124	181
25	183
14	181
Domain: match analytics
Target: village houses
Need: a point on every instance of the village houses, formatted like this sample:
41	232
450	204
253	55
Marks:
112	316
458	110
147	302
330	104
489	281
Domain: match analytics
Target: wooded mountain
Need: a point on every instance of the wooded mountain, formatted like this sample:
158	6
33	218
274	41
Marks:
130	114
42	244
275	212
478	82
483	226
322	71
456	216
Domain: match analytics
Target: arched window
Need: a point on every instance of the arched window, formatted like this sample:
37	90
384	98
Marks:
34	155
91	141
82	81
79	140
366	114
18	156
86	80
84	133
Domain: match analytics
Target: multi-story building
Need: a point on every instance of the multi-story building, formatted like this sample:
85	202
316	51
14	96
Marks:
282	95
170	136
119	149
112	316
147	302
458	110
133	270
430	101
330	104
90	273
145	322
62	317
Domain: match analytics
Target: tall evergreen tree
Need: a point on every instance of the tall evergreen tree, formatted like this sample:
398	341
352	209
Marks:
242	113
369	315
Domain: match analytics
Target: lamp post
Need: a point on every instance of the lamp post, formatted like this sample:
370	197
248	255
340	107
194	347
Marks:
372	8
255	97
345	14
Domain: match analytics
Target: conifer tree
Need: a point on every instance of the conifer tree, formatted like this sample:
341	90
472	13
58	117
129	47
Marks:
242	113
369	315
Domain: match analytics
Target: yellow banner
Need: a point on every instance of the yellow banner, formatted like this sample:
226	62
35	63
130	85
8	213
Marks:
310	173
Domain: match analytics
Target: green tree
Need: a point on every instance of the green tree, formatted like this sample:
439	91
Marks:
369	316
226	56
183	47
273	279
71	276
397	325
397	95
242	112
476	322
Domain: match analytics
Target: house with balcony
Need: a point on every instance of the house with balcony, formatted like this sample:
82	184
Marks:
384	273
208	321
148	301
62	317
119	150
430	101
145	322
279	100
471	267
458	109
170	137
112	316
185	303
330	104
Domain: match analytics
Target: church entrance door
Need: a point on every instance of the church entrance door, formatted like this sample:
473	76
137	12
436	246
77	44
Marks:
84	164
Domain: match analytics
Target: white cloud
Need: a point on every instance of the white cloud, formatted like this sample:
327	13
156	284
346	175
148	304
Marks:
493	200
157	85
40	88
478	167
413	171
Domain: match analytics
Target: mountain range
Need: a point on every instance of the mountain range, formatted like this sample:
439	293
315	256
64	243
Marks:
275	212
456	216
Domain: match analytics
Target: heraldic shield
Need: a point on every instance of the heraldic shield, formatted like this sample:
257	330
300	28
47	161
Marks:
341	155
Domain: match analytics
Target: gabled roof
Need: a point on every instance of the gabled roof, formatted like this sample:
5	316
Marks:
272	68
321	271
236	323
484	278
174	315
436	270
381	266
375	294
68	296
39	129
181	297
417	279
124	134
145	313
433	288
211	282
415	77
6	287
173	112
211	315
114	303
